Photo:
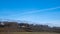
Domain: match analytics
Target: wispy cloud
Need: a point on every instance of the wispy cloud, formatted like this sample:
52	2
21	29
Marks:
36	11
33	11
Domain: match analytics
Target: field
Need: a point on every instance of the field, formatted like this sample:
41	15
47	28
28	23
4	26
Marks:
27	33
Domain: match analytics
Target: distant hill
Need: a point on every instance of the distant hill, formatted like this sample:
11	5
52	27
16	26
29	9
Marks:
7	26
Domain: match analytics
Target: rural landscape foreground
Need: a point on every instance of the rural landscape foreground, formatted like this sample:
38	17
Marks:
13	27
27	33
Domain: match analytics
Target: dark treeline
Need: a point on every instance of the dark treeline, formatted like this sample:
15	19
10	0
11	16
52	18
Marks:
25	27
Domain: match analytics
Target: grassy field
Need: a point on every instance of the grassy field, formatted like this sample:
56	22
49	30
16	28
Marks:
27	33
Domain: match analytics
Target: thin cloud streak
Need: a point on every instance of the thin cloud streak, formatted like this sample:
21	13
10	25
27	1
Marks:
36	11
31	12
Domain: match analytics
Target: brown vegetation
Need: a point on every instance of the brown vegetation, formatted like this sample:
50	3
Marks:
24	27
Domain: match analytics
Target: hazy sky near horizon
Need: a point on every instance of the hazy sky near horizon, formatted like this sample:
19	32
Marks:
38	11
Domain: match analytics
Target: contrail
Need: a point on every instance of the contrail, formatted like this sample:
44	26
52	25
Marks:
36	11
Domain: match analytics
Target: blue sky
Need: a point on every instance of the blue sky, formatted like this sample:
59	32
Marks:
38	11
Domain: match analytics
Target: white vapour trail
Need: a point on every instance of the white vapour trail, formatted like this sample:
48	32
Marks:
33	11
30	12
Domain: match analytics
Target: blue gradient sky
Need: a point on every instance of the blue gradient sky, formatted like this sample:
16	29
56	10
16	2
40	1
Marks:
38	11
